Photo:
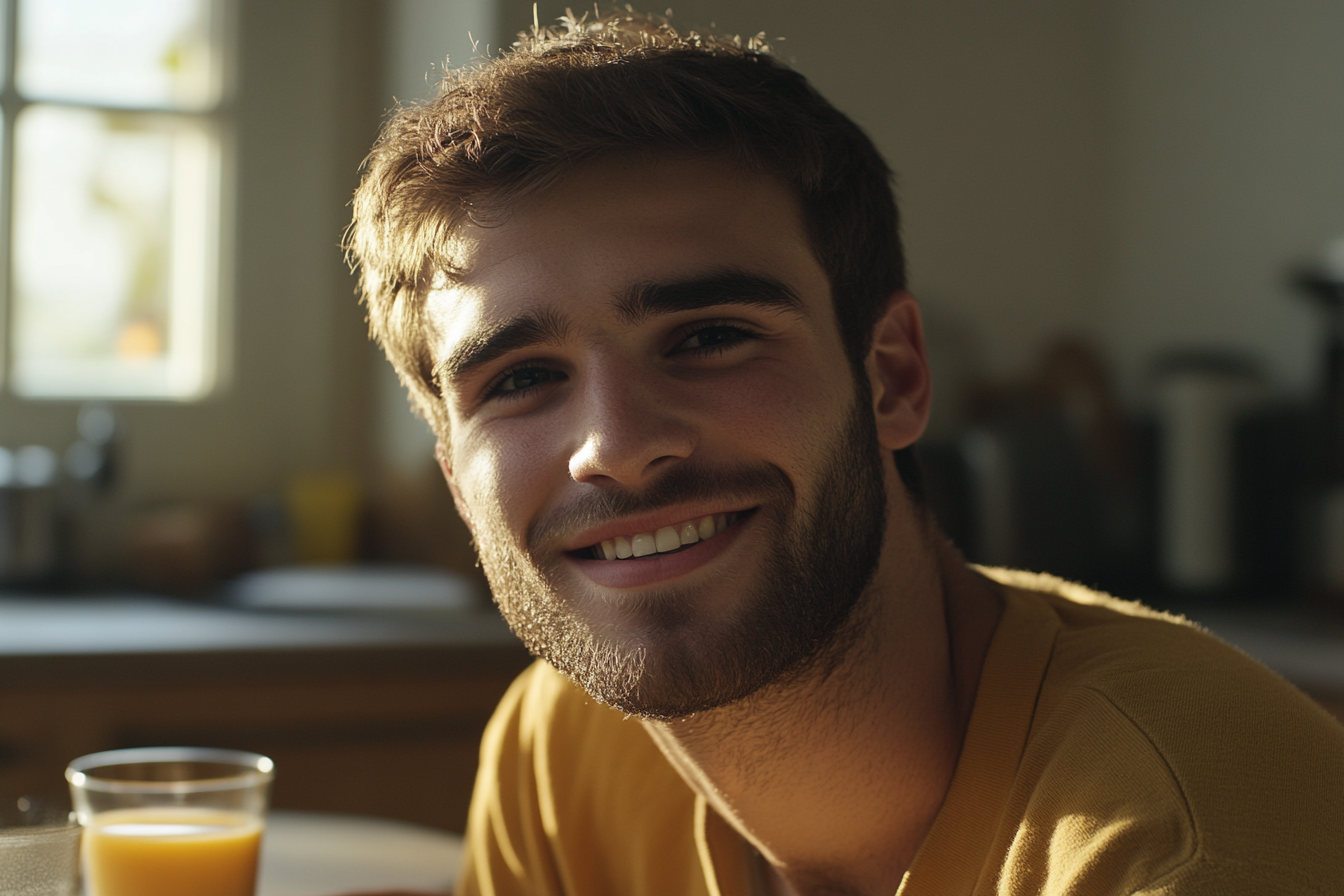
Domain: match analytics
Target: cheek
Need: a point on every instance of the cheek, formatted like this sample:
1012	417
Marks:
502	475
787	412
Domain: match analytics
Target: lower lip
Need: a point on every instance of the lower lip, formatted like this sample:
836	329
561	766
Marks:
640	572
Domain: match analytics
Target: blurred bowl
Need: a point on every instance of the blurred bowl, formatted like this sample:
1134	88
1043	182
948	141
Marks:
354	589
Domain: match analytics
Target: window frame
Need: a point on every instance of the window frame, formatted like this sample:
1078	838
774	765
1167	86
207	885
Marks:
216	122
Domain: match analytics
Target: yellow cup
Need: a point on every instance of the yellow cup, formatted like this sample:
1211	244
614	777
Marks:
324	511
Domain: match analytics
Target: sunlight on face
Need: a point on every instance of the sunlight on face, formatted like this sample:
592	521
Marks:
641	344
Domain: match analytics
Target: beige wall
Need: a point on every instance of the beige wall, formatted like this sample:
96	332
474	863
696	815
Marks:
1229	168
993	117
1140	171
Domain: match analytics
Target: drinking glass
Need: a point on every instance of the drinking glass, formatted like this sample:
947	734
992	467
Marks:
39	856
168	821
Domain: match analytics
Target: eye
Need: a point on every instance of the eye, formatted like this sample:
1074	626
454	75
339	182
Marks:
713	338
518	381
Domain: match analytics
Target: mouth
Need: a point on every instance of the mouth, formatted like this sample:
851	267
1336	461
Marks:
663	541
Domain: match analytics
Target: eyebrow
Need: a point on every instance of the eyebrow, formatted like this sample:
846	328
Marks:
538	328
638	303
643	300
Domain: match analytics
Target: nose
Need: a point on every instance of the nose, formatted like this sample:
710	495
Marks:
629	428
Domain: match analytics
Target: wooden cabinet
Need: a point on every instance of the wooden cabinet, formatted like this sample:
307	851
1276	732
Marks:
389	730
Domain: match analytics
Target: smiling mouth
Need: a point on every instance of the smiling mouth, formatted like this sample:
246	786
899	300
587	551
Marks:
667	540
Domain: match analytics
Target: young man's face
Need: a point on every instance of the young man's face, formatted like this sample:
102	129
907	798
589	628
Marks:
643	360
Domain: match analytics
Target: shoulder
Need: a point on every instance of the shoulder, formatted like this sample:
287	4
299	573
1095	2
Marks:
1148	729
1167	675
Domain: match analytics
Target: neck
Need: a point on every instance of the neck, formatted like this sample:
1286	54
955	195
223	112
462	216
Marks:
836	774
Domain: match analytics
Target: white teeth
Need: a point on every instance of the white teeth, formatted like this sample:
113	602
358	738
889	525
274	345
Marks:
668	538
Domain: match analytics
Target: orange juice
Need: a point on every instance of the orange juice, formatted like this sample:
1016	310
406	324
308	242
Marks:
171	852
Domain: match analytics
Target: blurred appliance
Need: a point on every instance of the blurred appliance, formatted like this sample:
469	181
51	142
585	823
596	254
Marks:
1044	478
1201	399
1204	499
1325	283
29	516
36	513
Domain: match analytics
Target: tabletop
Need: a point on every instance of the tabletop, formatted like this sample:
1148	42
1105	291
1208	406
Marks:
320	854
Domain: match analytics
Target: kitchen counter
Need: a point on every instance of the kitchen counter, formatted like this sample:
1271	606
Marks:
372	713
128	636
56	638
42	635
128	623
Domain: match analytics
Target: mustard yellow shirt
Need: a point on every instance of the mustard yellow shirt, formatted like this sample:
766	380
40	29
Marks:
1111	750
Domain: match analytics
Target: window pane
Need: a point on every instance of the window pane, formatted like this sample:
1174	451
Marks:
113	229
153	53
4	44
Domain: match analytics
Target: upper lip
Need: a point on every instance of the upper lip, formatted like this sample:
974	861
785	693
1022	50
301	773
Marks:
651	521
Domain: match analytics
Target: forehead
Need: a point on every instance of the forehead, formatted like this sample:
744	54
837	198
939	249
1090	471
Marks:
575	247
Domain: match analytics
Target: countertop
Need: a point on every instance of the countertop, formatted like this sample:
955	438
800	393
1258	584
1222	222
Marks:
129	637
131	623
1303	647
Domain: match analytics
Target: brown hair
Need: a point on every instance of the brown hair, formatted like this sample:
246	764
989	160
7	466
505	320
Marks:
619	83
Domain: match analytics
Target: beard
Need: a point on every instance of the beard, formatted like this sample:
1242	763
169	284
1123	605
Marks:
662	654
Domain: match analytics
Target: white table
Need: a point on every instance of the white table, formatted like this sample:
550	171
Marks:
323	854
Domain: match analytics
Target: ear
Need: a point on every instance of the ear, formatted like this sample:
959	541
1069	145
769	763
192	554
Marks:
898	373
446	465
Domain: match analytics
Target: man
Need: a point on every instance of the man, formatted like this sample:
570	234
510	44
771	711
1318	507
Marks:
649	291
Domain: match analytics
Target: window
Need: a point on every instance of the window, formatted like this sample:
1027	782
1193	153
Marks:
112	197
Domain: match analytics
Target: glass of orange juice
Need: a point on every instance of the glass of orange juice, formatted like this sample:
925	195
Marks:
170	821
